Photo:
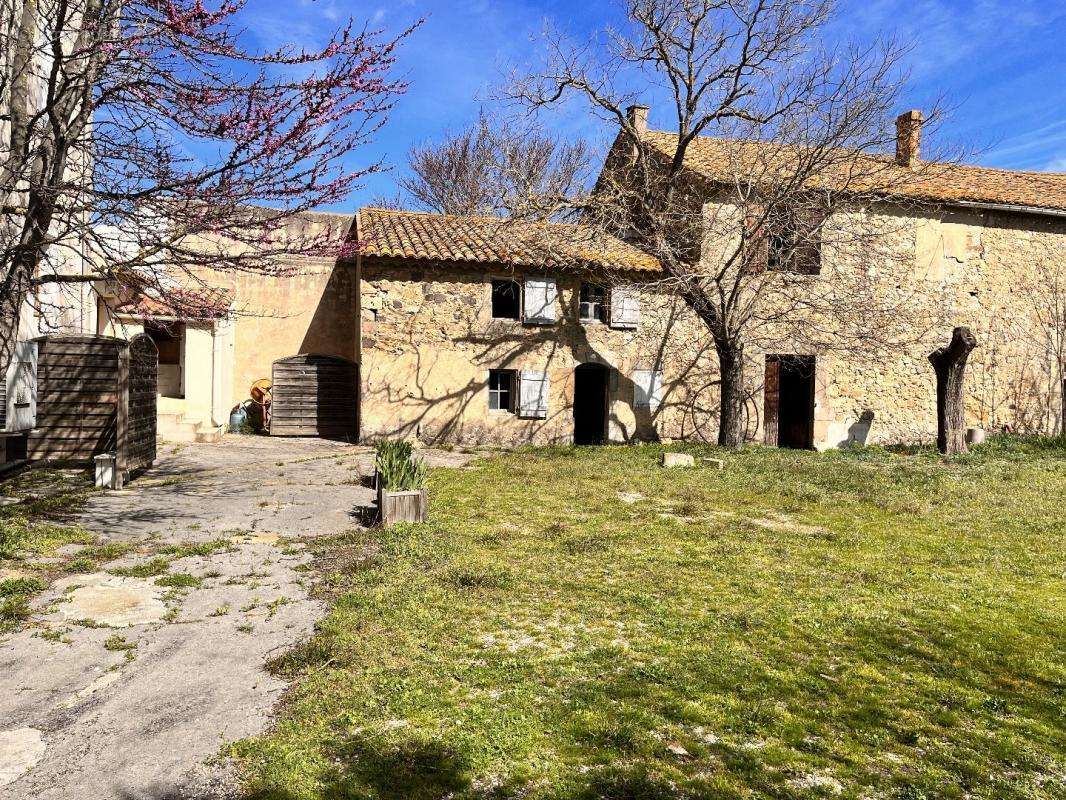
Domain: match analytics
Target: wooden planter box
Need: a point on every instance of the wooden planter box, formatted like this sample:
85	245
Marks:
407	506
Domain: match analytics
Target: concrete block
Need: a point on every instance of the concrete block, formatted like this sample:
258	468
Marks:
678	460
714	463
108	476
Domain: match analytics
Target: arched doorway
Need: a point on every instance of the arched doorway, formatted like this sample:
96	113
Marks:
590	404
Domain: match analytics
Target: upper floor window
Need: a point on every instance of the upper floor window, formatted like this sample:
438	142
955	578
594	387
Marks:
506	299
792	242
592	305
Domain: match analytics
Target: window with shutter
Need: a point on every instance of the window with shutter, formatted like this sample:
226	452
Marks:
592	305
21	382
506	298
539	297
533	394
647	389
625	307
501	390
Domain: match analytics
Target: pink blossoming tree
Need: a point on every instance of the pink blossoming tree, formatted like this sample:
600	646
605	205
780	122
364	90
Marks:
139	135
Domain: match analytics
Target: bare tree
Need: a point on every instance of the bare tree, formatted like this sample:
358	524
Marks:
1045	339
772	230
143	143
495	167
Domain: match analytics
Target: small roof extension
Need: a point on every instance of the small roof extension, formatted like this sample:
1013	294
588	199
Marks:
424	236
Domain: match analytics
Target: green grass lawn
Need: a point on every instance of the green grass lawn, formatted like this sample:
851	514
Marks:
864	625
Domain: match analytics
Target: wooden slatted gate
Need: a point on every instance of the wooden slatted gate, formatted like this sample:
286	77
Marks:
314	395
95	395
142	398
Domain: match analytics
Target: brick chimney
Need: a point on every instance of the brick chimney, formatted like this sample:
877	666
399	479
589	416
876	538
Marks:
637	117
909	138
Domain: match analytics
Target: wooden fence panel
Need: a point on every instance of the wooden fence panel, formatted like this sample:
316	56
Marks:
315	395
77	398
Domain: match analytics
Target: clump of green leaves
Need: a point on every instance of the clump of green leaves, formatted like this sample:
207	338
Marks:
149	569
179	580
118	642
13	587
398	468
14	599
188	549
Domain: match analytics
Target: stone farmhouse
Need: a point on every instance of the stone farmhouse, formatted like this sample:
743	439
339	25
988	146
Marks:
486	331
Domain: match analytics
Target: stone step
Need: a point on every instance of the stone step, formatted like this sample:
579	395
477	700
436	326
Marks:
209	434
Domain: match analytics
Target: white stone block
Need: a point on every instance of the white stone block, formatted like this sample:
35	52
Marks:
678	460
108	475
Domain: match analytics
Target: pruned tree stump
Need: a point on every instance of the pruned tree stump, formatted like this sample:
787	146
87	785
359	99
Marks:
949	363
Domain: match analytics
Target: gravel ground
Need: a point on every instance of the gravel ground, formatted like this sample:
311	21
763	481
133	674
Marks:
122	688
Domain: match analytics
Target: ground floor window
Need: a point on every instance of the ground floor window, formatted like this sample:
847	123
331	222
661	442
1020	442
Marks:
501	390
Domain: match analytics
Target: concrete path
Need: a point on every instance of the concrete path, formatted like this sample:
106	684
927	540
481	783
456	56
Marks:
123	688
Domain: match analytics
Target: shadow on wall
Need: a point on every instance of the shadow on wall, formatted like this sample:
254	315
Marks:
439	413
332	330
859	432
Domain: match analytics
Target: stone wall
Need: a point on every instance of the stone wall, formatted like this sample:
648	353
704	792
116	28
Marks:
994	273
429	340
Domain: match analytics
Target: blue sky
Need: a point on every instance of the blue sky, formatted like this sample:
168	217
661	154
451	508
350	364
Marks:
1002	63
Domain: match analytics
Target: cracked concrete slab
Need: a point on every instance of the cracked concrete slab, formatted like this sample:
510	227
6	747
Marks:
20	750
113	601
145	717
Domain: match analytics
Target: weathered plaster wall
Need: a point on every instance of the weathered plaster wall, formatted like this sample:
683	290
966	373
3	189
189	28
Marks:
303	305
429	340
313	310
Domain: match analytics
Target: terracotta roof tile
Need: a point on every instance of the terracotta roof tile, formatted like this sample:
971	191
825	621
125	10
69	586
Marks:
193	304
443	237
713	158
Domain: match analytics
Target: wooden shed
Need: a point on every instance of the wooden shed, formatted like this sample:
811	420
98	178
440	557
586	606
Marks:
315	395
95	395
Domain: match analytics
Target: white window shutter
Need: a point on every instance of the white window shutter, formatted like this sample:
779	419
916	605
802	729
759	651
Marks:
625	307
540	296
22	388
533	394
647	389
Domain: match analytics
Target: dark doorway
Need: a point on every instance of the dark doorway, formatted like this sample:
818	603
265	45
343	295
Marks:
789	401
590	404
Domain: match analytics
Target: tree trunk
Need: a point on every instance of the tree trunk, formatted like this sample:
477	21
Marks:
731	425
949	363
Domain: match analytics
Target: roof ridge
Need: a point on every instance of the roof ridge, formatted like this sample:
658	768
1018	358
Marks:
469	217
1007	170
